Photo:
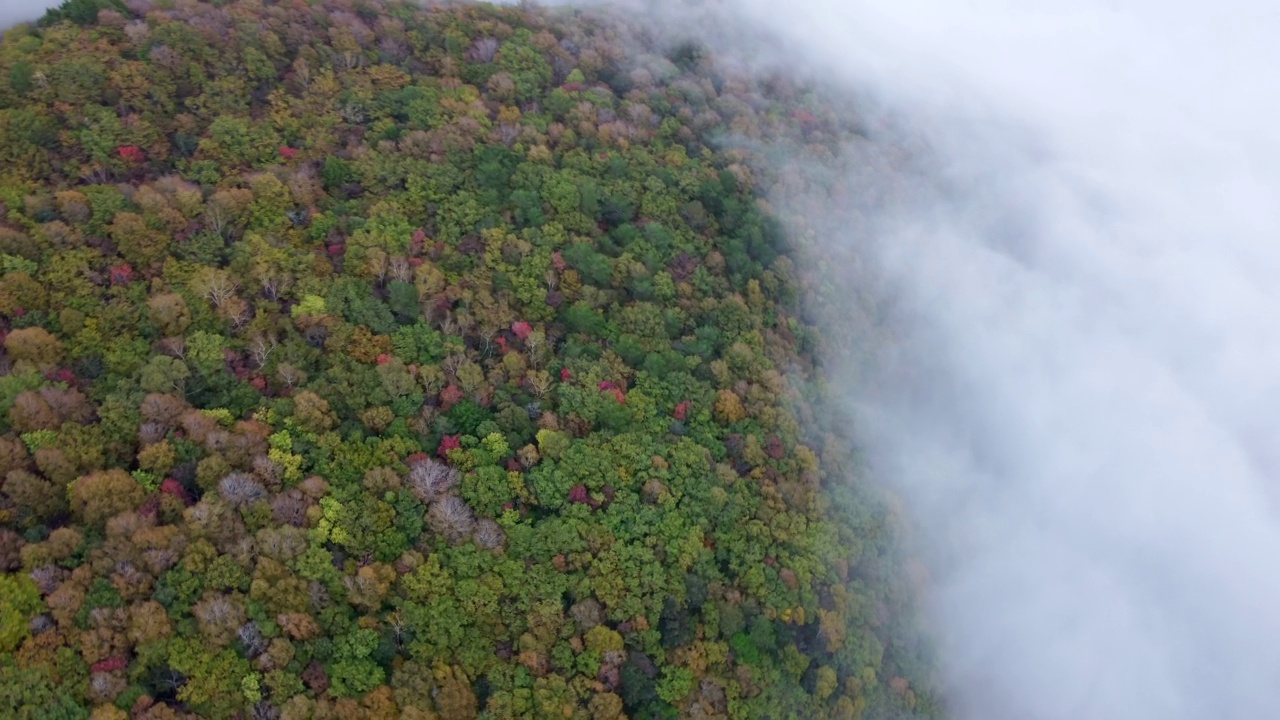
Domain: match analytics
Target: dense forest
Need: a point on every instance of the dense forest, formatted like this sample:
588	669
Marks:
369	360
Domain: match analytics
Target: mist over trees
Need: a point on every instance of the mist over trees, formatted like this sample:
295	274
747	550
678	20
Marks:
1078	380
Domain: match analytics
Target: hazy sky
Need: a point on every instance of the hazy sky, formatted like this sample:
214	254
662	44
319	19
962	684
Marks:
16	11
1087	408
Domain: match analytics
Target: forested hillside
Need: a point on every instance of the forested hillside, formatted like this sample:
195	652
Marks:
373	360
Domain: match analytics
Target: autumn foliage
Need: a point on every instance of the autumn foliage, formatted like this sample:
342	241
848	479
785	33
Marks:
368	359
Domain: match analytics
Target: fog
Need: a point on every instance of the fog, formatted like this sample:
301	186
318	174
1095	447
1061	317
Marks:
17	11
1081	407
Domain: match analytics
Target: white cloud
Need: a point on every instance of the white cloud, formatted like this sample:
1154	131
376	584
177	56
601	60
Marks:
1086	415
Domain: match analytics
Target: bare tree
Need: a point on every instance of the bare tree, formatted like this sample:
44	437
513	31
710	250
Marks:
219	618
290	375
218	218
489	535
104	685
137	31
451	517
41	624
160	560
290	508
452	363
240	489
271	286
540	383
240	315
486	335
270	471
174	347
48	577
397	623
507	134
215	285
535	343
261	348
483	50
400	269
150	433
448	325
264	710
318	595
251	639
430	480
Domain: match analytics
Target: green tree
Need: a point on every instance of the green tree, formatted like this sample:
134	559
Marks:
19	600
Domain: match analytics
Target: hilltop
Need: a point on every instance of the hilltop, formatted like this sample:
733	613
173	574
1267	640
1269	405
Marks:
365	359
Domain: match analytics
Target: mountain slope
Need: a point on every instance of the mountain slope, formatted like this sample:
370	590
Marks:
373	360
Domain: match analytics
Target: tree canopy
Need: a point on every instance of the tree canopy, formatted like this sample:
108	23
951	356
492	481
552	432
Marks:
366	359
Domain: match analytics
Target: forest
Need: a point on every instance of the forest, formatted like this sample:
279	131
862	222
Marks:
370	359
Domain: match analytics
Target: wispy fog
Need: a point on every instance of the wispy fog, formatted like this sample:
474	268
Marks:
1083	406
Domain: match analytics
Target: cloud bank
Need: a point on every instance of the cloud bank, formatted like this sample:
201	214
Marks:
1082	409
